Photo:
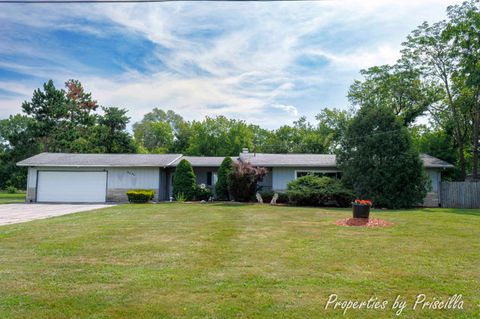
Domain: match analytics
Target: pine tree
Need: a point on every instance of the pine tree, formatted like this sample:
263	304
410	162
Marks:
221	187
379	161
184	182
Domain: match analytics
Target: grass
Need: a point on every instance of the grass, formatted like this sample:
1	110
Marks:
235	261
6	198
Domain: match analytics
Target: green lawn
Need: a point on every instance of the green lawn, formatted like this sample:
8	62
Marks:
235	261
6	198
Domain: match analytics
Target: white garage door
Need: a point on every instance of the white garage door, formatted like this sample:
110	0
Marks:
71	187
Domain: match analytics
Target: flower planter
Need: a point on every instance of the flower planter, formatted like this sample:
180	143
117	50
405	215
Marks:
361	211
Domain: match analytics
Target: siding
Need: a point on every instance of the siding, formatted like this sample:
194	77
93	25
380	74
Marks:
435	177
119	180
129	178
267	182
201	174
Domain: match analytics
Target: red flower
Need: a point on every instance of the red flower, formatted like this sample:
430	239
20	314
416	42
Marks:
363	202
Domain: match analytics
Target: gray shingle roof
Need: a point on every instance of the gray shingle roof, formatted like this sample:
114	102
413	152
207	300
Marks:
100	160
318	160
163	160
433	162
201	161
290	160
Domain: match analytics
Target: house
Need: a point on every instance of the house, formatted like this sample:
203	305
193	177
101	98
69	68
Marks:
76	178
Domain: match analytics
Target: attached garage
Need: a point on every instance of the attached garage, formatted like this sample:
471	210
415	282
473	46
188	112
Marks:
72	186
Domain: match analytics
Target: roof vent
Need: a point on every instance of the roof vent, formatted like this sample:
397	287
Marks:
245	150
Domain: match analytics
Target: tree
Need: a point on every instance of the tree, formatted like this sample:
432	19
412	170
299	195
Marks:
17	142
436	142
184	182
110	134
219	136
464	30
301	137
221	187
379	162
49	109
397	87
429	51
332	125
156	137
162	132
242	181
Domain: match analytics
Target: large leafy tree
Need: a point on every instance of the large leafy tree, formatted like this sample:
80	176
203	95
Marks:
332	125
464	30
301	137
397	87
161	132
435	56
219	136
432	140
184	181
379	162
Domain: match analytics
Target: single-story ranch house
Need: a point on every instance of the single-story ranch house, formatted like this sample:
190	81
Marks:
93	178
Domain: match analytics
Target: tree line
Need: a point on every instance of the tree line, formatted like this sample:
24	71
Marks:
436	79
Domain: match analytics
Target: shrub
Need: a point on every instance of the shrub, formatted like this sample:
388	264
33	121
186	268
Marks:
384	166
11	189
140	195
221	187
268	195
184	181
242	180
181	198
312	190
203	192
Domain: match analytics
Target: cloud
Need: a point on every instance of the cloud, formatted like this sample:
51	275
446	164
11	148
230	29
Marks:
239	59
289	109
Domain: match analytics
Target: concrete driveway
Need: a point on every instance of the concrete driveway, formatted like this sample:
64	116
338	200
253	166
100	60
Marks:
19	213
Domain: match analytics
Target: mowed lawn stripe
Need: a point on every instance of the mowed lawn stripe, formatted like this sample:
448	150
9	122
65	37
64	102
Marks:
224	261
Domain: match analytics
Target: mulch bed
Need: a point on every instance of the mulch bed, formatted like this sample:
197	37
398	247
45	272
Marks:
363	222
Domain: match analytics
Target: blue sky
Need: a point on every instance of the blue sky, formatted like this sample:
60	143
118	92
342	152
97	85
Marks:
266	63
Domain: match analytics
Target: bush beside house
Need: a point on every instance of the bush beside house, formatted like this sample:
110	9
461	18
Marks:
140	195
203	192
184	182
312	190
242	180
221	187
268	195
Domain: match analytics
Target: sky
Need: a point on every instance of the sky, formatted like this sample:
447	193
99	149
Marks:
267	63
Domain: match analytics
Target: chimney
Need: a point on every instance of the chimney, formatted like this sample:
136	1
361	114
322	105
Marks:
245	150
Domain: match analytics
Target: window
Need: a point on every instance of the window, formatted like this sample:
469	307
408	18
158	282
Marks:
336	175
209	178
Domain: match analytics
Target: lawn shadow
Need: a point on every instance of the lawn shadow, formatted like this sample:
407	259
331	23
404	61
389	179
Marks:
459	211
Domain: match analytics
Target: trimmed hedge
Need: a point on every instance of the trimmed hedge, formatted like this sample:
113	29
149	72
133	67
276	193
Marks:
268	195
140	195
312	190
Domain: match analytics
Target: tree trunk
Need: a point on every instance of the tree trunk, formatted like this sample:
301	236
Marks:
45	144
476	123
461	159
